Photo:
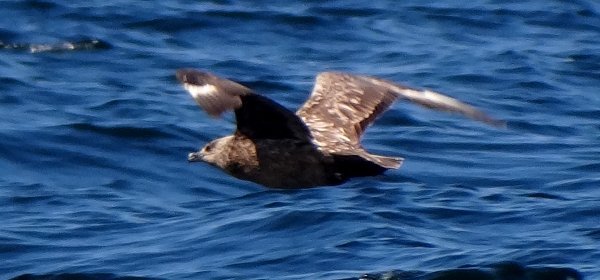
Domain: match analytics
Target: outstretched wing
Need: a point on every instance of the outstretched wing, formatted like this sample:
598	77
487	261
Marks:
257	117
343	105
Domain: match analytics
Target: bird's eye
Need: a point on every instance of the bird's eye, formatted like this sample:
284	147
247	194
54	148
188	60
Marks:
208	148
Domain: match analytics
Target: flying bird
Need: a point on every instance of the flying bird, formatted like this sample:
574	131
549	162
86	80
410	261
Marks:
316	146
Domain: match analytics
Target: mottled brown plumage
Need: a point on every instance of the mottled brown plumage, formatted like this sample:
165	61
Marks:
320	144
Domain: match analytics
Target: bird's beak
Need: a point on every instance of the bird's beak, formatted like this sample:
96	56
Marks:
193	157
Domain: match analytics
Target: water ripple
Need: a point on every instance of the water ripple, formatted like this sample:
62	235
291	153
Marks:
85	44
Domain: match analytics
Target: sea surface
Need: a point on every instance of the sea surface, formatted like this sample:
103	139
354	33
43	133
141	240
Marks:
95	131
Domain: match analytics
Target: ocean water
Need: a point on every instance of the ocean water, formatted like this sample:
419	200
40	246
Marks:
95	131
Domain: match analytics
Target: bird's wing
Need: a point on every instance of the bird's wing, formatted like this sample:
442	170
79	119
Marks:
257	117
343	105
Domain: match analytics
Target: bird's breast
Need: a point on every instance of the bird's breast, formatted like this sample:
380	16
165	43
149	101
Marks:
279	163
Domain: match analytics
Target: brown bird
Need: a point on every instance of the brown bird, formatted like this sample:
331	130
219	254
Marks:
319	144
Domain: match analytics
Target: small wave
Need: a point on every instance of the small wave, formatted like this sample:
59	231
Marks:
85	44
543	195
81	276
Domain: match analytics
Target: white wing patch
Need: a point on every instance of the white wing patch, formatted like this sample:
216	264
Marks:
198	91
212	100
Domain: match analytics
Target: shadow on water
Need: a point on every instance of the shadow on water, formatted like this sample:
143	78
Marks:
498	271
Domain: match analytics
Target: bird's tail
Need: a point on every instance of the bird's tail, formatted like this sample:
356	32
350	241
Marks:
362	163
383	161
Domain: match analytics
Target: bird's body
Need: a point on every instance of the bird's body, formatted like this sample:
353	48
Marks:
319	144
280	163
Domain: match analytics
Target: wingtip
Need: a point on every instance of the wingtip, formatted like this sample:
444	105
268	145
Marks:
491	121
213	94
193	76
181	74
399	162
500	124
435	100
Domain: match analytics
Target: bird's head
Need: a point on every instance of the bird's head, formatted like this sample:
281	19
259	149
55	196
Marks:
214	153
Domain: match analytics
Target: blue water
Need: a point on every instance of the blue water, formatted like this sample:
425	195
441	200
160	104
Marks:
95	131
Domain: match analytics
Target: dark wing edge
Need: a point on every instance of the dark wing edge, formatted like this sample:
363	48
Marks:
257	117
